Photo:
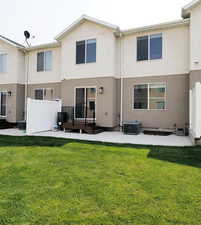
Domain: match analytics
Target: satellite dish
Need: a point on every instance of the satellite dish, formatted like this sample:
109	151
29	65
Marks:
26	34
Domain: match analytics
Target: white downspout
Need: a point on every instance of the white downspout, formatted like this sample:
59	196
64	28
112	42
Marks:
26	85
121	113
122	83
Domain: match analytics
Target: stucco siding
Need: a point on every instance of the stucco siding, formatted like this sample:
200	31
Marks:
11	76
175	54
195	39
20	107
52	76
15	102
105	52
177	101
106	105
55	86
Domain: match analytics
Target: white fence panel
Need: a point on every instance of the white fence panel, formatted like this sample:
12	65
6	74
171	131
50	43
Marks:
195	111
41	115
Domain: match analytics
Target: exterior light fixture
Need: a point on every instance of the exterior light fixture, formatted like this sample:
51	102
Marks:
9	93
101	90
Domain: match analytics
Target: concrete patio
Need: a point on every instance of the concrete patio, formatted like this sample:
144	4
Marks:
111	137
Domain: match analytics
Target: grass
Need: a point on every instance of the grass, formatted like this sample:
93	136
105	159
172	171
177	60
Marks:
48	181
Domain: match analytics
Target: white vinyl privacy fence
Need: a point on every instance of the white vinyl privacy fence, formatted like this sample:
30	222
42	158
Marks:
195	111
41	115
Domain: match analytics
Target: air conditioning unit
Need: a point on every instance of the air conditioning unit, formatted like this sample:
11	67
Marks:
132	127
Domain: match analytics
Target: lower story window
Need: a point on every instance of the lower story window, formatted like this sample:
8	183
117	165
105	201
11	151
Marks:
39	94
149	96
44	94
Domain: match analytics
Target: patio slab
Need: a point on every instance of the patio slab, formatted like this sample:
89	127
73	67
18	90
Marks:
111	137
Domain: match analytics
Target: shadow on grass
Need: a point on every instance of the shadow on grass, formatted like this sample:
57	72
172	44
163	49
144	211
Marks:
8	141
190	156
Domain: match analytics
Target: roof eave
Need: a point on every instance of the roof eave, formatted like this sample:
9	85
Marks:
43	46
156	26
12	43
81	20
186	10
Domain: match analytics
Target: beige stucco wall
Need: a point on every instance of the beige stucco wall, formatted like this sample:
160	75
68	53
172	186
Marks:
106	103
177	95
15	64
195	39
15	102
175	59
20	101
105	52
52	76
55	86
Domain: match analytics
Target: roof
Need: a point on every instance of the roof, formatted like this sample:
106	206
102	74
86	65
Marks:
187	8
166	25
46	45
81	20
13	43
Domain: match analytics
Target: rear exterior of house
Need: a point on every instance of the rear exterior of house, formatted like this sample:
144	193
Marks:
109	74
12	73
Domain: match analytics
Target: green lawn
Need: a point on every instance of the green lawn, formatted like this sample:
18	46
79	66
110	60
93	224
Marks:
48	181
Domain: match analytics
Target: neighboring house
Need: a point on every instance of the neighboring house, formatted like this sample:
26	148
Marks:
137	74
12	76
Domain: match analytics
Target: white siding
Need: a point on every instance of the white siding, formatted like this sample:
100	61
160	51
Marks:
54	75
105	52
195	39
15	66
175	59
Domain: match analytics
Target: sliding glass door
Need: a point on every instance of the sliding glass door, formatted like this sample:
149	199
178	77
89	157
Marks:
3	103
85	103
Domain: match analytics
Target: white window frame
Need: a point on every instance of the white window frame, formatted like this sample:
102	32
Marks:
85	54
148	109
44	58
149	47
2	116
85	87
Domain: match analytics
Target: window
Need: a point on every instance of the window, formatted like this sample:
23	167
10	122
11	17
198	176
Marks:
39	94
3	63
44	94
156	46
149	47
142	48
149	96
44	61
86	51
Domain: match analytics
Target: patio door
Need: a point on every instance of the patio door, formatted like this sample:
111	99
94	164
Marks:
3	97
85	103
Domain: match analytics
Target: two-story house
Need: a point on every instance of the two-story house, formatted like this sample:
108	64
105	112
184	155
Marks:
137	74
12	76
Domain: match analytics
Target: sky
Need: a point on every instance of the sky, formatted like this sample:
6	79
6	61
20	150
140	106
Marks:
44	19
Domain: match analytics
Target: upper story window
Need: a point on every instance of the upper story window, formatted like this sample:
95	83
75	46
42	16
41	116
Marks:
44	61
3	63
86	51
149	96
149	47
